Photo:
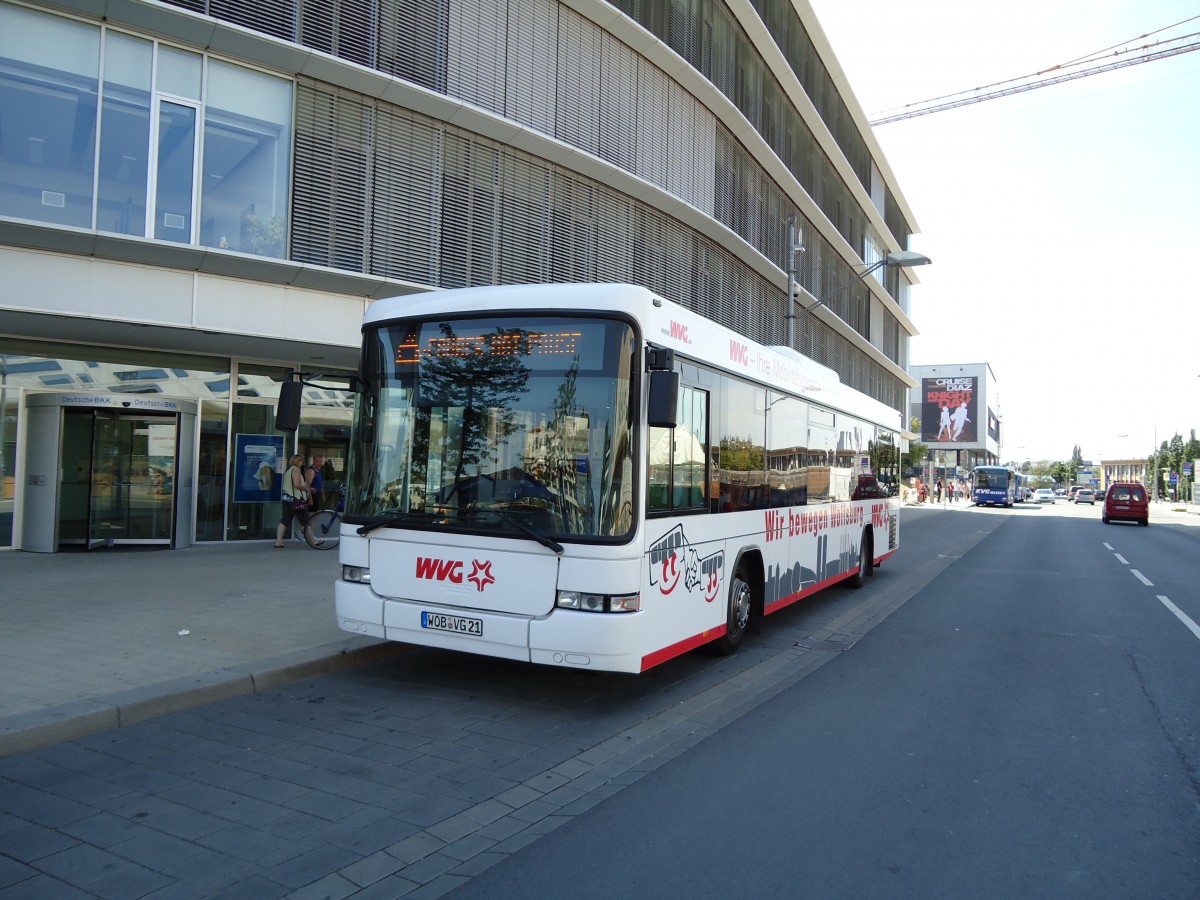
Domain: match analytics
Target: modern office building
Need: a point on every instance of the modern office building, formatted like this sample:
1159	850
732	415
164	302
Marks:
198	197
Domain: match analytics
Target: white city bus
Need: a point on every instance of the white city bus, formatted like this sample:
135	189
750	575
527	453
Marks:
592	476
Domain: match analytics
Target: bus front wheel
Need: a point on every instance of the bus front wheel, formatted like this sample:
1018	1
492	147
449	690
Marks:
737	615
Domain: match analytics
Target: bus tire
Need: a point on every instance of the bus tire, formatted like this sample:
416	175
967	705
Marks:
865	567
737	614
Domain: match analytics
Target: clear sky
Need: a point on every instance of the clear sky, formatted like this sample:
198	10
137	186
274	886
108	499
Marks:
1063	222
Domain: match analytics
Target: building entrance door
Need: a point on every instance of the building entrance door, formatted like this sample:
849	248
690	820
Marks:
118	476
103	470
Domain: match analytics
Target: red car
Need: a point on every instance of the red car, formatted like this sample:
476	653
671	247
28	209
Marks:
1128	501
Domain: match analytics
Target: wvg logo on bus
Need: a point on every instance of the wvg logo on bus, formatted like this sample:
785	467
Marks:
451	570
677	332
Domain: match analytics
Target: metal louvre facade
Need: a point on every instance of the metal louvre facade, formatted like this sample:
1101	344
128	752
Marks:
383	187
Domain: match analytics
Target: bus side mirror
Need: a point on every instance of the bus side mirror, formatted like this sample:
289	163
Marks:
287	414
663	404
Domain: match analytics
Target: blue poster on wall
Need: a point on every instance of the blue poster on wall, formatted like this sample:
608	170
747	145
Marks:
257	467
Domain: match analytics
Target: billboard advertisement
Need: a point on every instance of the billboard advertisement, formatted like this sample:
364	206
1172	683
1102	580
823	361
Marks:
949	410
257	464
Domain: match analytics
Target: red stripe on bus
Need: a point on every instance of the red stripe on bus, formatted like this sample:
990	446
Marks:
820	586
658	657
651	660
806	592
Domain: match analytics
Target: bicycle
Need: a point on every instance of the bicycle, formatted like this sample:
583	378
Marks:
326	525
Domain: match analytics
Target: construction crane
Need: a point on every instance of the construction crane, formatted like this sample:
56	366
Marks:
1101	61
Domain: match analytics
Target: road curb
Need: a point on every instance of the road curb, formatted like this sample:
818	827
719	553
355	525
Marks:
68	721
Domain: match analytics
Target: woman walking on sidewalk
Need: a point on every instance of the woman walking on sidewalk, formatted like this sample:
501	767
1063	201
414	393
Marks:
295	503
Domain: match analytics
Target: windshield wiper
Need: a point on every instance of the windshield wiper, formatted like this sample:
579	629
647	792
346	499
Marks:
391	519
516	523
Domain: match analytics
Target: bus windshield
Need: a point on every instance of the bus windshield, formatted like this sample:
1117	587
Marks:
991	478
520	425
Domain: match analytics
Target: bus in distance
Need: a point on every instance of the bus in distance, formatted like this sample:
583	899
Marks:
996	486
592	476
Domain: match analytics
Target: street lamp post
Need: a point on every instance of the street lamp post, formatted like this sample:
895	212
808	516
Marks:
900	258
794	247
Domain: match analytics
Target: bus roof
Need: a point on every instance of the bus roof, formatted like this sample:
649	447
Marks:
664	324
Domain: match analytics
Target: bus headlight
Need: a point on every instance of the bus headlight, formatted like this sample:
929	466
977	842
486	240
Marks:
356	574
585	602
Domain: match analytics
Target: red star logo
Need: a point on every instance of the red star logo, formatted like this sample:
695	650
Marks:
481	574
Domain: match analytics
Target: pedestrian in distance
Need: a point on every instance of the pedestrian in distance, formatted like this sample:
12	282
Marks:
295	503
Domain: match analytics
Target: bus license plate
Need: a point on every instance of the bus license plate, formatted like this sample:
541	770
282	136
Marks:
455	624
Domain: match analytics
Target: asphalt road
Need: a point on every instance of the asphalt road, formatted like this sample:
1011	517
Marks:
1007	709
1026	726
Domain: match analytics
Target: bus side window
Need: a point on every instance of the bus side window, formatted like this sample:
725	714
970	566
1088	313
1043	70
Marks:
678	464
740	444
658	487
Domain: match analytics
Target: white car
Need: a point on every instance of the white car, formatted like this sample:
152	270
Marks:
1043	495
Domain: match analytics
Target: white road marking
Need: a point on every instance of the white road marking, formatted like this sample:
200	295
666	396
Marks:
1142	578
1182	616
1122	560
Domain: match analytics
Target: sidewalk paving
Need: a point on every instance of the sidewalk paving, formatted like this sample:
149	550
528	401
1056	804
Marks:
97	640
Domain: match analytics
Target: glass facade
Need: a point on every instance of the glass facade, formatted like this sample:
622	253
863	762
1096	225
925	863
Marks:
28	367
49	77
8	459
124	175
191	150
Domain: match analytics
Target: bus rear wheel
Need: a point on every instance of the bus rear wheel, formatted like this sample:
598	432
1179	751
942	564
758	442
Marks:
737	614
865	565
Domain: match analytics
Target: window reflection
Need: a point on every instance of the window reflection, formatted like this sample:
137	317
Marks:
125	135
51	95
176	164
787	449
179	73
48	81
678	470
741	455
247	131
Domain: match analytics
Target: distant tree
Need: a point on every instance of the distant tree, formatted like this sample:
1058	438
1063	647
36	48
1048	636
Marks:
1175	458
1061	473
1043	468
885	457
1191	452
1074	464
742	454
915	456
